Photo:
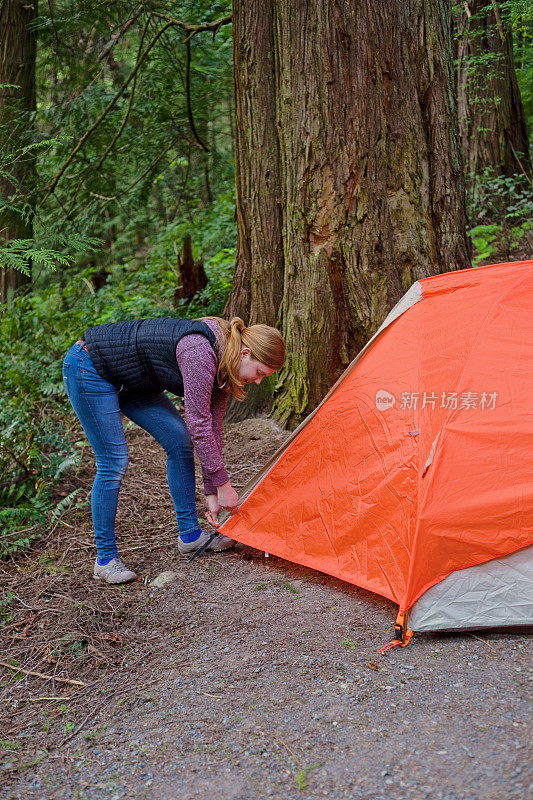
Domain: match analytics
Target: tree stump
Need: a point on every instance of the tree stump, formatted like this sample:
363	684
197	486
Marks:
192	275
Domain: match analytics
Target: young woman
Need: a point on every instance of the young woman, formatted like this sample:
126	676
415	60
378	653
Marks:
126	367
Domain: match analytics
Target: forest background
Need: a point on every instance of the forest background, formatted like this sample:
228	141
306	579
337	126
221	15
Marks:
183	158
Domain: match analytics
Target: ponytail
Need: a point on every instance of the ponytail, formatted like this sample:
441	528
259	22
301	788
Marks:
266	345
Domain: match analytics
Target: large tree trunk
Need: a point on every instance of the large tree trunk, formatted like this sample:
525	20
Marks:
491	117
372	187
258	284
18	44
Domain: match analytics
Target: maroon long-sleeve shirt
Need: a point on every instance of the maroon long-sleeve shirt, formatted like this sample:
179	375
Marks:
205	403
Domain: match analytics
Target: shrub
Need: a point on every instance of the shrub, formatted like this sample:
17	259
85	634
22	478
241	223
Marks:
38	328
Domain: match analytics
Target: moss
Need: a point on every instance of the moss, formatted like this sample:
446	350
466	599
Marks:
361	203
290	405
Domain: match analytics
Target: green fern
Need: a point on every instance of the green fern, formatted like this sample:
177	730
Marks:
19	254
64	504
72	460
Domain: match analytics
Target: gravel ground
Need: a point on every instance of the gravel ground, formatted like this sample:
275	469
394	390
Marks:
254	678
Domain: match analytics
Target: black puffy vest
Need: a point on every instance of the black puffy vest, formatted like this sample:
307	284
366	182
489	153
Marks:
139	356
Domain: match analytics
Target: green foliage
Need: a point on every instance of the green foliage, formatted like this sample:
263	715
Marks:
301	779
141	167
37	329
33	441
503	208
516	16
5	609
494	194
68	724
498	205
116	213
492	240
349	643
10	744
21	254
301	776
520	13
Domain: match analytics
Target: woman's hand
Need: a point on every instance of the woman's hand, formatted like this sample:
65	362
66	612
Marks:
227	497
213	507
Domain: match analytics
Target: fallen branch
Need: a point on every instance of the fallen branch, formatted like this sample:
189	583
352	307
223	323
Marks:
291	751
204	147
41	675
37	699
206	694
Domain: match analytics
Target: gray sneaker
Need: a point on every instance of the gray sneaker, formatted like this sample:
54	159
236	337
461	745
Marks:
114	572
219	543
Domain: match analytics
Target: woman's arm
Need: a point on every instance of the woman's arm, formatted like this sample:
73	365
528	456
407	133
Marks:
219	402
204	412
198	366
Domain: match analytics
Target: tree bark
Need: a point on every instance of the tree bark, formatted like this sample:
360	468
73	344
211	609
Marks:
18	45
492	123
258	282
371	176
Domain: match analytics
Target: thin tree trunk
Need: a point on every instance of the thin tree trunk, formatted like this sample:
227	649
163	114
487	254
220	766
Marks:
231	123
491	117
18	44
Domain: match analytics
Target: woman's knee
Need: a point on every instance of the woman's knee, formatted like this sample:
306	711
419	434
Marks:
177	442
112	466
180	448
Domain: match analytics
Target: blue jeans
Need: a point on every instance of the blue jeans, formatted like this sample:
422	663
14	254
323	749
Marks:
98	405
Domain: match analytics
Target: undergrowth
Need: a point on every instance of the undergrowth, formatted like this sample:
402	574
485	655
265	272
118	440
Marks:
37	329
501	210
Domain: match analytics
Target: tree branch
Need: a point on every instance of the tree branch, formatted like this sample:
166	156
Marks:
22	465
40	675
130	103
104	114
192	30
116	36
74	208
148	170
56	35
188	95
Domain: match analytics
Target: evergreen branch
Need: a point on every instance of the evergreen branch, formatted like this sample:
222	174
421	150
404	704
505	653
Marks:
519	162
17	459
73	209
19	254
130	103
116	36
56	35
147	171
103	115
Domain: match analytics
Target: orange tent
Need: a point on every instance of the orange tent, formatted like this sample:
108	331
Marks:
417	464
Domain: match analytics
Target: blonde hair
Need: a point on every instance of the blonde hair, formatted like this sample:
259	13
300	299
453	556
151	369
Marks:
265	343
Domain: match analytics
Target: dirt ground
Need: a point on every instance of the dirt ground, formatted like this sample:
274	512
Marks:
244	678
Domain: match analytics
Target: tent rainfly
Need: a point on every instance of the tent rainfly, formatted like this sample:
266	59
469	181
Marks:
413	478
